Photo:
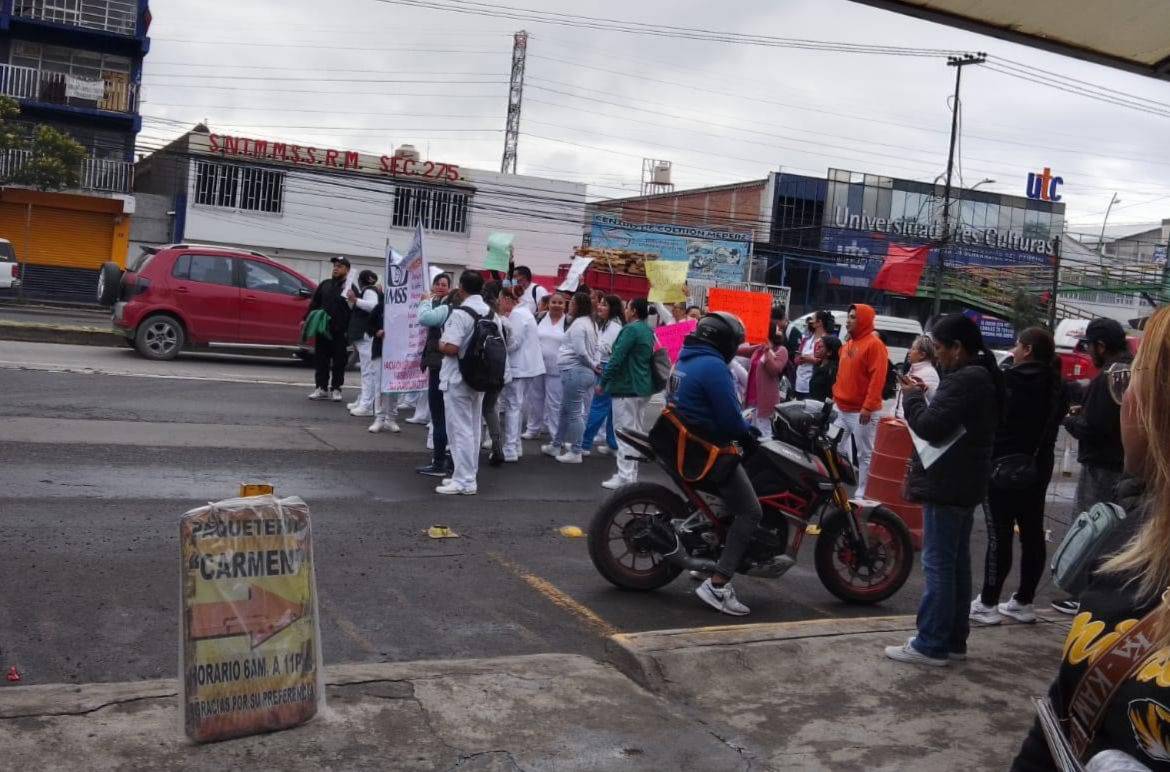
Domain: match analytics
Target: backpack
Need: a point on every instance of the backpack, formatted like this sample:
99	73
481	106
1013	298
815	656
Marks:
660	367
483	364
890	388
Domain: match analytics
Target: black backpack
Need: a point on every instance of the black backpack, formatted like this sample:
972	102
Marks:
890	388
486	358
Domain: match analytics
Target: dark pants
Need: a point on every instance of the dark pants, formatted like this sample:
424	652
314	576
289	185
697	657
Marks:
740	499
1004	511
330	357
491	416
943	624
438	414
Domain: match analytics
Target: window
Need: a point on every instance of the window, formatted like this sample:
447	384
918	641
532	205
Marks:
265	278
211	269
249	188
182	267
437	209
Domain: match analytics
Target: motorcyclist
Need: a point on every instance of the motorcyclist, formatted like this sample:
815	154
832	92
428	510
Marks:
702	395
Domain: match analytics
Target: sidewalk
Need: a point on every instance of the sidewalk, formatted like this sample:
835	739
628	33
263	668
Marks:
812	695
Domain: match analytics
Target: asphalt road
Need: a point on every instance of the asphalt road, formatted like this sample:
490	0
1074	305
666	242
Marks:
101	452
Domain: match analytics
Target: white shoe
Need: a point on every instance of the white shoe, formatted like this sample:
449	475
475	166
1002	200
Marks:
913	656
1018	611
984	615
584	453
417	420
551	450
530	436
697	576
510	459
722	599
451	488
569	457
319	394
487	443
335	395
352	405
385	425
614	482
361	412
604	450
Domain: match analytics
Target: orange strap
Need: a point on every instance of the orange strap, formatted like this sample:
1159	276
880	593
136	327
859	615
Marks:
685	436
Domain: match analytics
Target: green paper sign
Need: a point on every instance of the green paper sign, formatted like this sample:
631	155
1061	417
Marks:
499	251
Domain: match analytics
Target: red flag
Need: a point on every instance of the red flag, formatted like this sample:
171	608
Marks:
901	270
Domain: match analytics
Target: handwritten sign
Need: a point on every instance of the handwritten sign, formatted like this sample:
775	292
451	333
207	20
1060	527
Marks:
499	251
668	280
405	337
754	309
576	271
671	336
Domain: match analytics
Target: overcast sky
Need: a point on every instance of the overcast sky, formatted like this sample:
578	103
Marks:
367	75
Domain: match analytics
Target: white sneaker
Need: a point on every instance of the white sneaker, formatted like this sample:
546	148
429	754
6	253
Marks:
1018	611
984	615
530	436
385	425
418	420
913	656
511	459
614	482
487	442
722	599
452	488
584	453
352	405
319	394
551	450
569	457
604	450
361	412
335	395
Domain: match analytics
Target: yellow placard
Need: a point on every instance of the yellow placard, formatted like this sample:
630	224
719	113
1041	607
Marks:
251	658
668	280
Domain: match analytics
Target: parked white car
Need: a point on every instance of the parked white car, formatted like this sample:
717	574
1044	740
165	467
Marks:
899	333
9	268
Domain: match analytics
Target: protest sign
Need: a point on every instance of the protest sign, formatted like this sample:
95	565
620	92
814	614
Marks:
499	252
754	309
668	280
251	646
576	271
402	346
671	336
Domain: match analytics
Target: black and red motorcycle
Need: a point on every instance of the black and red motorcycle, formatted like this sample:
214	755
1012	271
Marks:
645	534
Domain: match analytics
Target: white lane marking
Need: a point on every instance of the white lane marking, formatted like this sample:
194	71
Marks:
50	367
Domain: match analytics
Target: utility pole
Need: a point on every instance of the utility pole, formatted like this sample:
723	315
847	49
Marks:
1055	289
515	93
958	62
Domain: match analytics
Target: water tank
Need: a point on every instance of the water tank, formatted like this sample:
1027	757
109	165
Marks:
661	173
407	151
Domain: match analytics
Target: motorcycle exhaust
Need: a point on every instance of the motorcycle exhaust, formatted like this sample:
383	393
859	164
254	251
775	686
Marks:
663	540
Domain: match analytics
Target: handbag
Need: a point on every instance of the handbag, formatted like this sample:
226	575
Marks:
1015	471
696	461
1092	536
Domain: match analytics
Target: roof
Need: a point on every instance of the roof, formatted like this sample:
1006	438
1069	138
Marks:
1131	35
686	192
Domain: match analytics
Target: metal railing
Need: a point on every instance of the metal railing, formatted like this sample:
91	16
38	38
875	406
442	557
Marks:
113	92
94	174
119	17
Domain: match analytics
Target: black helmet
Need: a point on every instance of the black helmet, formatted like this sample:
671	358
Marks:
723	331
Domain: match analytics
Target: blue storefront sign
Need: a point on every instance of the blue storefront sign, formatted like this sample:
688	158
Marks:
713	254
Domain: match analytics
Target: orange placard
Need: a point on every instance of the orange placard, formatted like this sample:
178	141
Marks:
754	309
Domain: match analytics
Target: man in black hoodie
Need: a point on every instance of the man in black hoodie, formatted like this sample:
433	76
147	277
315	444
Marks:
331	354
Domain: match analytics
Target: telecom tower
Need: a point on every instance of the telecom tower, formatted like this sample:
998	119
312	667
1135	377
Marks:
656	177
515	93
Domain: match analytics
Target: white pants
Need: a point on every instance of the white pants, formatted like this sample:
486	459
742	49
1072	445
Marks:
764	424
534	405
511	405
627	416
464	408
862	436
553	394
371	370
422	407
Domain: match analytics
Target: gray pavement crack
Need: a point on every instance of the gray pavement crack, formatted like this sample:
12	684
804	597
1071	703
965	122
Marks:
320	439
87	711
470	756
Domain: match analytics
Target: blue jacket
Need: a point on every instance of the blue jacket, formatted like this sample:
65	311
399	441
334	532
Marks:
702	392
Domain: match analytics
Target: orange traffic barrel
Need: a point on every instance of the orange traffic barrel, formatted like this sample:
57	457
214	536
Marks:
887	474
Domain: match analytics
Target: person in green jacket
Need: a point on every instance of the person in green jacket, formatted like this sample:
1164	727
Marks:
627	380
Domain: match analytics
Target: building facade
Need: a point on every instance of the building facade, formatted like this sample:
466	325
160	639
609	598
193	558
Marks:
74	65
304	205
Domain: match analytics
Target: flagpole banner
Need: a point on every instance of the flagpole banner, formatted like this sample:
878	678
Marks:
576	271
404	338
668	281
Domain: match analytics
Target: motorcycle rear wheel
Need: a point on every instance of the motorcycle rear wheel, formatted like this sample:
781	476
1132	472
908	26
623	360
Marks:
891	557
621	562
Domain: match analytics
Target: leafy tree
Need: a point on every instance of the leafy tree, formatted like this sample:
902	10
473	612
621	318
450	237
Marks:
54	158
1025	311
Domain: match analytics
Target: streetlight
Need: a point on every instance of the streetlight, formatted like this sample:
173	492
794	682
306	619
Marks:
1101	238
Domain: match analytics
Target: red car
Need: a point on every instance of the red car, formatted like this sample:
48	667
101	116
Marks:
190	296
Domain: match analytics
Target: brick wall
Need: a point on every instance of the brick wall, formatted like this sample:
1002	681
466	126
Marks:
733	208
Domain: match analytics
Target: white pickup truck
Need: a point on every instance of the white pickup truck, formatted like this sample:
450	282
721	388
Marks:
9	268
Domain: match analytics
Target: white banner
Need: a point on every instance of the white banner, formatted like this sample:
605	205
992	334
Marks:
402	346
576	271
79	88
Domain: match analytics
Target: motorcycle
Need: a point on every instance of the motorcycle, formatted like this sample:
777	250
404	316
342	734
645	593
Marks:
645	534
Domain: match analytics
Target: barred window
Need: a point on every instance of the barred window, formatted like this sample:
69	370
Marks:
435	208
249	188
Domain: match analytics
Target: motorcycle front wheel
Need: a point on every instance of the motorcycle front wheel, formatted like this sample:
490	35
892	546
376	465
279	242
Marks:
844	572
618	543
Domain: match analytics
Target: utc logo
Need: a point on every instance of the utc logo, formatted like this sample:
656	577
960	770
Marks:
1043	186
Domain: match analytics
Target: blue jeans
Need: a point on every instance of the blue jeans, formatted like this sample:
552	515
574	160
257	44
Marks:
601	411
943	624
575	384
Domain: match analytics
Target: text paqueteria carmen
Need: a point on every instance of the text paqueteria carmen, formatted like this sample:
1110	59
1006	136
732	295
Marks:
328	158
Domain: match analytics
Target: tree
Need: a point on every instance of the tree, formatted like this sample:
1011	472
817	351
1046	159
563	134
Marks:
1025	312
52	159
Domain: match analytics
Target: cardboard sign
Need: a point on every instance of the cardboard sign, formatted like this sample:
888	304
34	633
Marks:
404	338
499	252
754	309
668	281
671	336
576	271
251	649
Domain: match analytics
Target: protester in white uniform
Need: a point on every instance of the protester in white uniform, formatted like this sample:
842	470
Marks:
462	404
819	325
526	364
544	395
579	360
528	293
364	300
384	404
610	315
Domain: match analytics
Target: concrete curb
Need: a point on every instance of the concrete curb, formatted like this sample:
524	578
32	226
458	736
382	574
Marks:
76	334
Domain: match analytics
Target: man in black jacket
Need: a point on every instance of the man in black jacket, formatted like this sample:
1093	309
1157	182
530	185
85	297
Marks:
331	354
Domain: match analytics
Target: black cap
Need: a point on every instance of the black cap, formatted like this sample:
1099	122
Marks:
340	260
1107	331
367	278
